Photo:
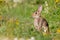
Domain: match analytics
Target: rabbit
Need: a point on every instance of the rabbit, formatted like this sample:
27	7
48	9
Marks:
39	21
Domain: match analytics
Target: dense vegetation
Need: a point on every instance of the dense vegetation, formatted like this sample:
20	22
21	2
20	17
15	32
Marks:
16	18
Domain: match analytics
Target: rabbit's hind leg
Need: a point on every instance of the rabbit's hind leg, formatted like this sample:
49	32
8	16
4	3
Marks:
46	29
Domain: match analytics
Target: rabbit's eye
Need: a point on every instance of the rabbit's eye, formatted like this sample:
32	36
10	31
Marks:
36	13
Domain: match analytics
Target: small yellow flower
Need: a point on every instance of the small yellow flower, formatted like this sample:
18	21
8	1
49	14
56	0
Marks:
1	0
58	30
17	22
56	1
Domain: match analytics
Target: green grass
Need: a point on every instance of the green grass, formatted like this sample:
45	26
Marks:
23	13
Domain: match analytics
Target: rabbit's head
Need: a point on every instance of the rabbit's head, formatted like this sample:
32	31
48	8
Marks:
37	13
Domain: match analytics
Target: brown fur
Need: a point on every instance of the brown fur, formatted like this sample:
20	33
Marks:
40	22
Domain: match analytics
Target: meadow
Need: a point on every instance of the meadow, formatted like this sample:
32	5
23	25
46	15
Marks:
18	22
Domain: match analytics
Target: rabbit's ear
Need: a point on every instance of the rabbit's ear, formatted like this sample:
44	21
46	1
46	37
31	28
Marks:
40	9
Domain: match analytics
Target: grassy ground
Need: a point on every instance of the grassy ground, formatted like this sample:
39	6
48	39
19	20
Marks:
18	21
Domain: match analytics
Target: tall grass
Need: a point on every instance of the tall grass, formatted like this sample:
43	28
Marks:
18	21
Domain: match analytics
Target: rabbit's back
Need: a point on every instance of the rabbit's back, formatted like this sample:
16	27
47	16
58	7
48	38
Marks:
43	22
